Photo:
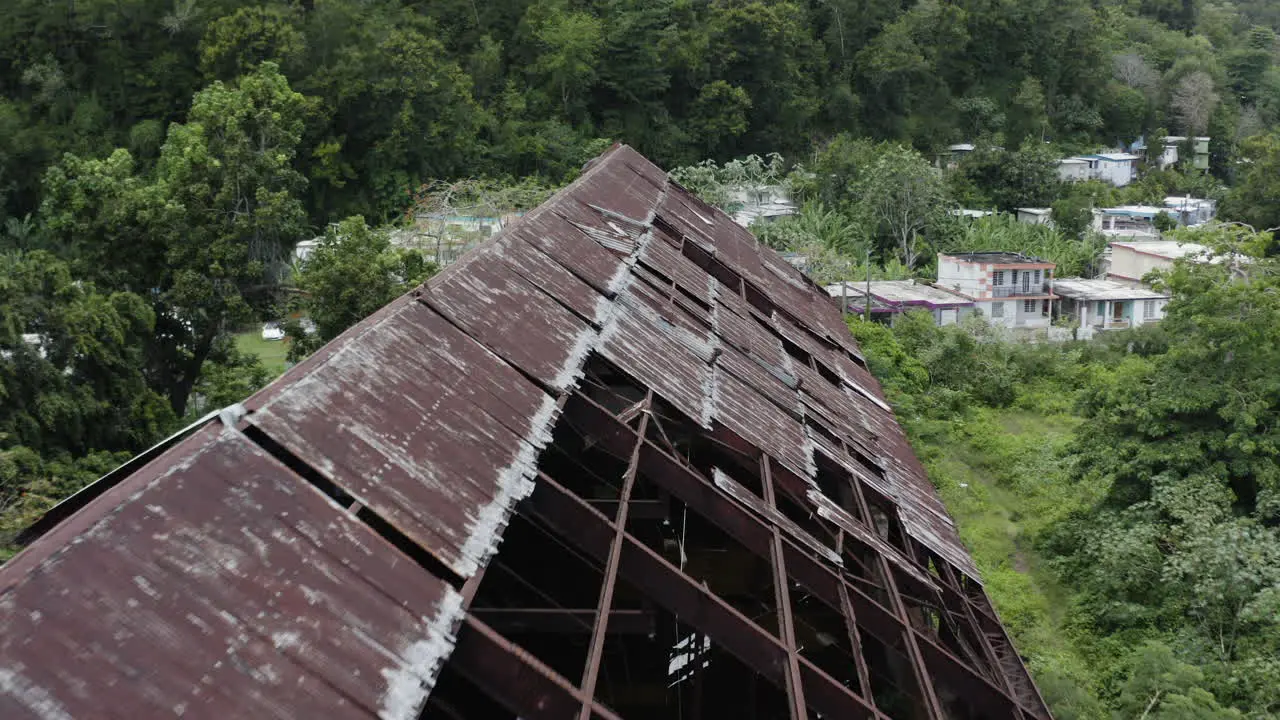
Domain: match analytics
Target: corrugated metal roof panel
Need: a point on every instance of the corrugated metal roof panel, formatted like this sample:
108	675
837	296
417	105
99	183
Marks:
638	343
219	584
758	421
411	415
515	319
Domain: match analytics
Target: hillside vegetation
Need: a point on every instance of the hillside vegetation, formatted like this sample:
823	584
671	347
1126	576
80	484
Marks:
1119	497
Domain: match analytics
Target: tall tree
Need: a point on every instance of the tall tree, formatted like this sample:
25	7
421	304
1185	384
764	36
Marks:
354	271
396	110
1027	177
235	44
903	194
569	44
1255	198
207	238
71	362
1193	101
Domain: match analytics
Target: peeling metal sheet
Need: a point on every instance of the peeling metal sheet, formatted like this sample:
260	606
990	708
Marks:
758	421
739	327
506	313
638	343
668	261
769	381
552	235
221	585
744	496
829	510
554	279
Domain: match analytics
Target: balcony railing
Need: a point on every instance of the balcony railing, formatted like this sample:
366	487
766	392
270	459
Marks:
1111	324
1006	291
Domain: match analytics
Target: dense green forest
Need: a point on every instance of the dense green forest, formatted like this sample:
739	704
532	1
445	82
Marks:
394	93
159	160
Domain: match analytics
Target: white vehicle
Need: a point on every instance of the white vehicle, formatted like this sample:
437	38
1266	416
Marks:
272	331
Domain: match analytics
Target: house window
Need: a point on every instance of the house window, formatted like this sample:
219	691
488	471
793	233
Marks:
1037	280
1102	309
1148	309
997	277
1028	306
1013	274
997	310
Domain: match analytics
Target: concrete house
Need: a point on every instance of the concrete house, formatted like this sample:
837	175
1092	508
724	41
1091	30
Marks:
1173	146
1201	149
1191	211
1129	262
1009	289
891	298
1129	221
760	204
1168	149
949	159
1035	216
1171	151
304	248
1119	168
1073	169
969	214
1099	305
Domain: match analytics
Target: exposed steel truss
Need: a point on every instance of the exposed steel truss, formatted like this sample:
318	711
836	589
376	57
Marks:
946	632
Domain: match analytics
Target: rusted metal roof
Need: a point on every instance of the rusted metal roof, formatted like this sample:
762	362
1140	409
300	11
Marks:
312	554
215	583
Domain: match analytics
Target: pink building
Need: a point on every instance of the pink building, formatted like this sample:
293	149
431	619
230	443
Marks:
1009	289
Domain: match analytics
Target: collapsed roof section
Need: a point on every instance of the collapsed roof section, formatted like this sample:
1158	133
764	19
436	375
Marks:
697	497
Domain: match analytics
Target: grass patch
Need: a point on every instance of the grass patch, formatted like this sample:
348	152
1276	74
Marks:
1001	476
270	352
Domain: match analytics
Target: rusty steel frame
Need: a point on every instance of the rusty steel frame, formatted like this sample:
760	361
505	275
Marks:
515	678
592	671
781	588
691	601
777	659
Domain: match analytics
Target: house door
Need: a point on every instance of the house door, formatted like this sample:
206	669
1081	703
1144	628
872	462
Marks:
1026	282
1117	312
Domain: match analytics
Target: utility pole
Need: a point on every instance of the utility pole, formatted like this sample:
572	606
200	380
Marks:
867	315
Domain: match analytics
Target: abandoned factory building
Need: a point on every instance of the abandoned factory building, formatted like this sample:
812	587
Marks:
619	461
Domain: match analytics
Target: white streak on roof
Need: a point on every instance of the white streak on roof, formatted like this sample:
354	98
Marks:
31	697
410	681
711	388
514	483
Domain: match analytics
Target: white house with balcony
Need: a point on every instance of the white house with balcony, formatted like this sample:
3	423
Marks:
1100	305
1010	289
